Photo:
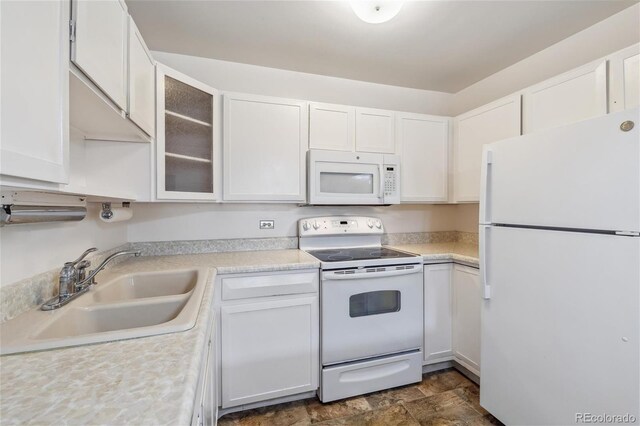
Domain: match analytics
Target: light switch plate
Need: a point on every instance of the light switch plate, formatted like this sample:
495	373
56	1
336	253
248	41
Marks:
267	224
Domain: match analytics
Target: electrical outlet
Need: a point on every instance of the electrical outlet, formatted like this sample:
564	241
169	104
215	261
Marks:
267	224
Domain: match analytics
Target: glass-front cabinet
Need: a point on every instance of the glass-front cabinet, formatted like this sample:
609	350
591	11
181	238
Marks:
185	137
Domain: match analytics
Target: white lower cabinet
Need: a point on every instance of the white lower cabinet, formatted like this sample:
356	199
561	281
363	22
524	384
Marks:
438	305
467	303
269	340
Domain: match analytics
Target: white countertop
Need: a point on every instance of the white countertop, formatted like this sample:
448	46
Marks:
150	380
433	252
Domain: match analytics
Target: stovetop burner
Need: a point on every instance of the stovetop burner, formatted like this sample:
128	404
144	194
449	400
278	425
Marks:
357	253
338	257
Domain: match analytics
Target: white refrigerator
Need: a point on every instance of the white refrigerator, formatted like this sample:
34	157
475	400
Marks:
560	269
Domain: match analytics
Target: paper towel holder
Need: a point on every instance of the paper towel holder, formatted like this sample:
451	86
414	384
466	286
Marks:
107	213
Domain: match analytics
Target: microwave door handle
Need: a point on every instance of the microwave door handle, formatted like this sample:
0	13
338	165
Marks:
380	182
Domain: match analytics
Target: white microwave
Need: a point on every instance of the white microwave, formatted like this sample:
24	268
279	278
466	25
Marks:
352	178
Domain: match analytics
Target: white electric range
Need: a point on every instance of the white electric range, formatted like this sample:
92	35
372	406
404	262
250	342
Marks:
371	312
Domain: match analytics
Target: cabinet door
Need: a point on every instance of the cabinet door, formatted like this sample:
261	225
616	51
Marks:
35	90
142	78
437	313
624	79
423	145
472	130
631	81
467	304
375	131
332	127
269	349
265	141
99	45
185	137
574	96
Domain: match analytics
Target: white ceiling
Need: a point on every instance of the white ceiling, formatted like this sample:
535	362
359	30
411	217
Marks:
435	45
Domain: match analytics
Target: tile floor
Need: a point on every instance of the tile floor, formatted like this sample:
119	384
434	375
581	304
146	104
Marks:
442	398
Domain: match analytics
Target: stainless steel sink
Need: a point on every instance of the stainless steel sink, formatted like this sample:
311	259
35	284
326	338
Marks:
123	307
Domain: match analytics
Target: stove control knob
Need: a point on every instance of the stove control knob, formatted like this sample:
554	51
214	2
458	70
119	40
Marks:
378	224
316	225
305	225
370	223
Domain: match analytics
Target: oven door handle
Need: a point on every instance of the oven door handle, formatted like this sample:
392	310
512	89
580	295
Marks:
336	275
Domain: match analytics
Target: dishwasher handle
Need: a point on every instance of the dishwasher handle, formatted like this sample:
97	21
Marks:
374	272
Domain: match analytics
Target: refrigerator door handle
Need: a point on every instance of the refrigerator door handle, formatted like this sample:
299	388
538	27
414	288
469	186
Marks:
483	253
485	176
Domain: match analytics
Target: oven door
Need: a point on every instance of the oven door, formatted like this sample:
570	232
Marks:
369	314
345	178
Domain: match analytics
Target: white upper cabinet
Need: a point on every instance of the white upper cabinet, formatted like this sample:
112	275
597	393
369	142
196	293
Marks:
577	95
265	143
142	105
375	131
472	130
624	79
185	137
423	146
35	84
99	45
631	81
332	127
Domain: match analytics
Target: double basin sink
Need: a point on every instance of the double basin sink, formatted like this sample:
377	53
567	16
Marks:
123	307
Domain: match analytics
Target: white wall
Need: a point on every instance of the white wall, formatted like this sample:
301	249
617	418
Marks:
467	217
614	33
154	222
235	77
27	250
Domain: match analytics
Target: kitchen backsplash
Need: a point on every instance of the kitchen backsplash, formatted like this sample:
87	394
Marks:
162	248
29	293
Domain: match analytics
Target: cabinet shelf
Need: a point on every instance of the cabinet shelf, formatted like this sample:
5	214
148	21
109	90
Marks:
184	117
187	157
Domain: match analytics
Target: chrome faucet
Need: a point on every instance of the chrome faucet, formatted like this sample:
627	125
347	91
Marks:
73	280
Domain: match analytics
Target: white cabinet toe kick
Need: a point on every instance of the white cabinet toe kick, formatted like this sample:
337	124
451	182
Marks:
361	377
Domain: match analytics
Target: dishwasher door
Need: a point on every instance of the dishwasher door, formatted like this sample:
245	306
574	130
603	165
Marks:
370	312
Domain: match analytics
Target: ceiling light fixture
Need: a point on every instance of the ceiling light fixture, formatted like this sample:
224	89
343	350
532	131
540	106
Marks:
376	11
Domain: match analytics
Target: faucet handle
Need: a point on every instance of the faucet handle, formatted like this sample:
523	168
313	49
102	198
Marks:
81	267
82	256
